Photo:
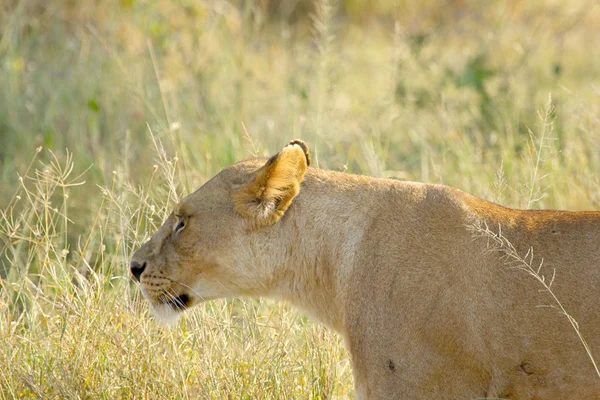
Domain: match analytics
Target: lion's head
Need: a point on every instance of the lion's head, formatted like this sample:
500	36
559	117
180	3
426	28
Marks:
215	243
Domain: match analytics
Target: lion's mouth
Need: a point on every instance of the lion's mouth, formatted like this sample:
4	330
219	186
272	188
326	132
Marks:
180	302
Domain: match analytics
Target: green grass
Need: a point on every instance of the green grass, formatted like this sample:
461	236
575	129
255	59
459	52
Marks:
151	99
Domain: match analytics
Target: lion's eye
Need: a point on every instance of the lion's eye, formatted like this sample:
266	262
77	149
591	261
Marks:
179	226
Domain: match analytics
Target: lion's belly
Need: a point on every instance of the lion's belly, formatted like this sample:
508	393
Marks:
441	356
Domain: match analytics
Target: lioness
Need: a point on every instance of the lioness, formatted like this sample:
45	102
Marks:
425	308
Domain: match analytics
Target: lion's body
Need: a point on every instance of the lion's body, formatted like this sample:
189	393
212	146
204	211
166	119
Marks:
429	312
427	308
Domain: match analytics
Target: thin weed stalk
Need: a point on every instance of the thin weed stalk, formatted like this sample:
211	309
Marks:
497	242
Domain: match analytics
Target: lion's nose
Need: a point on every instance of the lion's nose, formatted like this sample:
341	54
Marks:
137	269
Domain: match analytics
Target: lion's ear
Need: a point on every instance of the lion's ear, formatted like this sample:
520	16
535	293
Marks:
270	194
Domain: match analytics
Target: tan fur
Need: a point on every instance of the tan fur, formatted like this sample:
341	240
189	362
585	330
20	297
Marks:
276	184
426	310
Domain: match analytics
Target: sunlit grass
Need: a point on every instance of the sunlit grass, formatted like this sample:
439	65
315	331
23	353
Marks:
74	325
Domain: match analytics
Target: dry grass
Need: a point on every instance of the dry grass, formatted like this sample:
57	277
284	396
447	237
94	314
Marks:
153	98
75	326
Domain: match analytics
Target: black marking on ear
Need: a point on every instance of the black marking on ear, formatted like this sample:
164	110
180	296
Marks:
304	148
391	366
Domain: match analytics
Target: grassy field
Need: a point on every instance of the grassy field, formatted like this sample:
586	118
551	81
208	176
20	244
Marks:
111	111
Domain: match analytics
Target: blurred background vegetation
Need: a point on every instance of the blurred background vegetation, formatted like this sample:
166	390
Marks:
420	90
153	97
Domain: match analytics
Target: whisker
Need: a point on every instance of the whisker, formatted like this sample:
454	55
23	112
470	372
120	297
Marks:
168	299
183	284
194	292
175	300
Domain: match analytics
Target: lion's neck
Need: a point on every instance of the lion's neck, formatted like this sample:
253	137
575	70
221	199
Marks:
310	279
324	230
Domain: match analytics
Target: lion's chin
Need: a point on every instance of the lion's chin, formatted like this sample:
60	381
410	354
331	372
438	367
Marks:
167	315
